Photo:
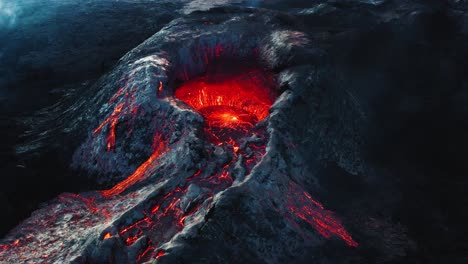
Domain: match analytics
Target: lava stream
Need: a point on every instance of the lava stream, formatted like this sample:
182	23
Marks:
141	172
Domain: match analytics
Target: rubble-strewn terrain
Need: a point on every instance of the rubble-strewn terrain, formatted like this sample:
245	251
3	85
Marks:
248	131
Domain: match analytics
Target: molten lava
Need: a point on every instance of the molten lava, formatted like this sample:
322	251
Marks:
107	236
141	172
303	206
230	104
112	120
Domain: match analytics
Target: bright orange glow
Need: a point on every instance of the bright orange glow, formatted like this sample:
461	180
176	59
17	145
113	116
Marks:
301	204
107	236
160	88
112	120
222	116
131	240
160	254
117	95
16	243
155	209
140	172
229	103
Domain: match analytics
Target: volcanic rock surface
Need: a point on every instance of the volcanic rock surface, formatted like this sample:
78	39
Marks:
236	133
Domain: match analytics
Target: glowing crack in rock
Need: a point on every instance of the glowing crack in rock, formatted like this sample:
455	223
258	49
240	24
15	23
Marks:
114	117
303	206
142	171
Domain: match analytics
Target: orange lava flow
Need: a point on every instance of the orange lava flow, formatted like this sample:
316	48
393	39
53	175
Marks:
160	88
229	102
140	172
112	120
160	254
107	236
301	204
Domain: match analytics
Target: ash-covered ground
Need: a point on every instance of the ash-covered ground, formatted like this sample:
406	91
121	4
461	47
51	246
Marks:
234	131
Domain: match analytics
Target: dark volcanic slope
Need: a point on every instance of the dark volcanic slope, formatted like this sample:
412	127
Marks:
293	132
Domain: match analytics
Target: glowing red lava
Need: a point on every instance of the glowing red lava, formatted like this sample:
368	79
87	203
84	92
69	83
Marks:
107	236
301	204
112	120
230	104
141	172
